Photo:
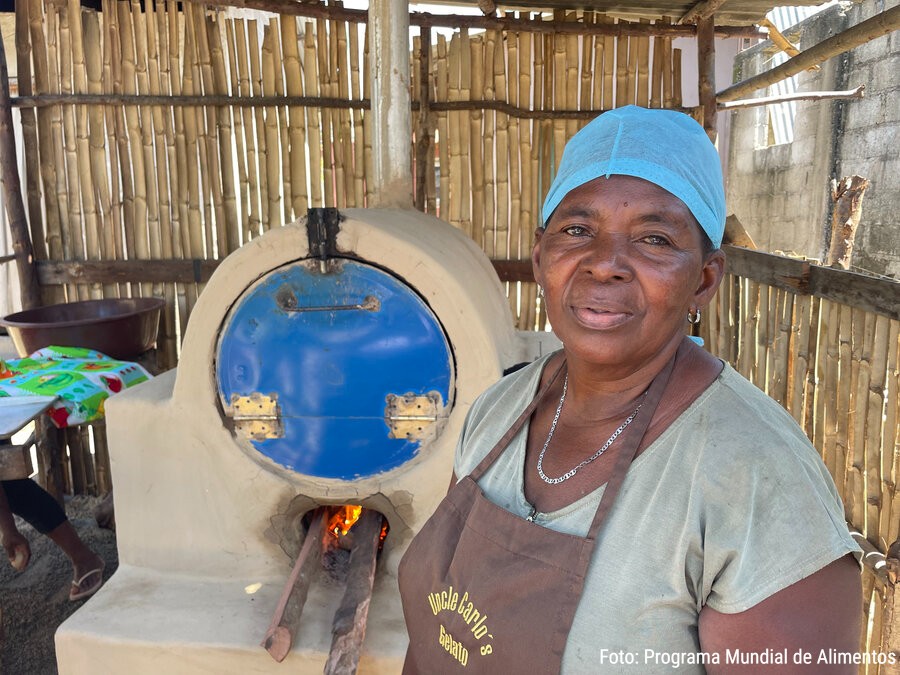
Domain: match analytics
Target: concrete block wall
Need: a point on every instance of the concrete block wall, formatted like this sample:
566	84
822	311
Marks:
781	192
870	144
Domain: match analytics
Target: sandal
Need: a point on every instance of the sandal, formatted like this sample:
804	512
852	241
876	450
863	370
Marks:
79	592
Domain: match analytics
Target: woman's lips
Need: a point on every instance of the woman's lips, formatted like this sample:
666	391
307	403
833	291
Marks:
600	319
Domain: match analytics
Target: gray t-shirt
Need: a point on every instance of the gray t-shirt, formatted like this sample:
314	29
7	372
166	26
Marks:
730	505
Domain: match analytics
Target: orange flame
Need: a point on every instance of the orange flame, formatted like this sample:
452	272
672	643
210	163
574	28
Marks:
343	519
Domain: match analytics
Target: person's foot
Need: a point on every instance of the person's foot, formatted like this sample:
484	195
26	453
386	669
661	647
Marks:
87	577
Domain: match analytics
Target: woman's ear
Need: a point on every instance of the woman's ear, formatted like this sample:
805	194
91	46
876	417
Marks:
536	256
711	276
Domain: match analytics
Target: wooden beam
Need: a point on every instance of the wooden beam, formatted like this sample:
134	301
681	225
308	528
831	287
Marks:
874	294
860	291
55	272
706	82
702	10
12	194
859	92
424	19
874	27
45	100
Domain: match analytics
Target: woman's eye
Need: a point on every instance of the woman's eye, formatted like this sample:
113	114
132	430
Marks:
656	240
575	230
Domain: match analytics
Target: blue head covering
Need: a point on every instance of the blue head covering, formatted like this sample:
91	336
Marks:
664	147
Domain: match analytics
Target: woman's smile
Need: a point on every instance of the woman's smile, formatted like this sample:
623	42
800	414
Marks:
599	317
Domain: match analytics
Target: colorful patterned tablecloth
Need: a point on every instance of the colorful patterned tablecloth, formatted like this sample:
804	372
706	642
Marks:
82	379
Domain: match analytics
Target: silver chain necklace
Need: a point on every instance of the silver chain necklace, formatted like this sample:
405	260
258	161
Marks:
571	472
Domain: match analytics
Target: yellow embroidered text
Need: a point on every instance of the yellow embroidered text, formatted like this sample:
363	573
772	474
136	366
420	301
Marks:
454	648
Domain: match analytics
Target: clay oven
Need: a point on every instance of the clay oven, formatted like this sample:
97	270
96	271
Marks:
328	362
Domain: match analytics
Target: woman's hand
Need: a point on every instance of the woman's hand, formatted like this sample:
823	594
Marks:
820	612
17	549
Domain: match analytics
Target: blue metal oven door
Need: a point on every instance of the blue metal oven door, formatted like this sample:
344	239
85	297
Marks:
337	374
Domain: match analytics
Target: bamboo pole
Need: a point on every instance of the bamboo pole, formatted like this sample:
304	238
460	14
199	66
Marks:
293	70
238	79
454	197
105	244
39	157
500	223
621	78
558	88
181	239
656	74
113	230
346	125
12	196
676	78
798	402
643	70
668	74
73	239
442	88
324	85
272	135
223	126
164	149
827	411
610	54
465	93
359	162
138	135
890	457
194	241
424	161
253	224
368	124
152	225
210	162
706	59
514	220
527	135
487	216
572	81
847	385
480	150
876	480
311	84
813	353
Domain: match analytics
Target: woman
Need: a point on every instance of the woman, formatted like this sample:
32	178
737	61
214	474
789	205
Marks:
631	504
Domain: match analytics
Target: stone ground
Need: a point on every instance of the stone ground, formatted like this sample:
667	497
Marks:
35	601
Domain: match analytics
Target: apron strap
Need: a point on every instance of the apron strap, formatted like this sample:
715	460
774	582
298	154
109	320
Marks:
632	443
488	460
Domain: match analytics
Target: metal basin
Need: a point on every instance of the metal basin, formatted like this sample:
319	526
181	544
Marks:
122	328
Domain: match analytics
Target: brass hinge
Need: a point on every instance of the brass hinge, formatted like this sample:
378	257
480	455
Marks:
409	416
256	416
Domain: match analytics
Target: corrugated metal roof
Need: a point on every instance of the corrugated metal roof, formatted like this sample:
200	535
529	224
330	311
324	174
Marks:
732	12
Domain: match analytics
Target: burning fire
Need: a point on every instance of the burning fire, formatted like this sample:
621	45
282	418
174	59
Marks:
343	518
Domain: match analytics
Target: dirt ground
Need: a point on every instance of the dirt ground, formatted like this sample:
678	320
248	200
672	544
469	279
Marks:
35	601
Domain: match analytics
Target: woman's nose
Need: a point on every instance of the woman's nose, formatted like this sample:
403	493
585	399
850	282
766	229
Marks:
608	259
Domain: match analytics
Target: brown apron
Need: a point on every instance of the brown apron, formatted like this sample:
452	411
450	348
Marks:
485	591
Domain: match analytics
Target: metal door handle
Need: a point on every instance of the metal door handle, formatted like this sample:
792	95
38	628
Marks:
288	302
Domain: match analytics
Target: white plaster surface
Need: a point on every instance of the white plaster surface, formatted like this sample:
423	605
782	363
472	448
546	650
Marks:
193	505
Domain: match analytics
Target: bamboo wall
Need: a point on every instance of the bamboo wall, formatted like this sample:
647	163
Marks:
135	181
834	366
149	179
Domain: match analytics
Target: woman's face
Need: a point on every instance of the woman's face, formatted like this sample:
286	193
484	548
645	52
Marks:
621	262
